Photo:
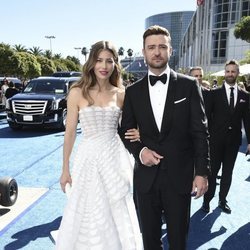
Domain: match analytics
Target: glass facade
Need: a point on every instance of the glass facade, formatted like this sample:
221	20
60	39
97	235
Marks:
209	40
226	14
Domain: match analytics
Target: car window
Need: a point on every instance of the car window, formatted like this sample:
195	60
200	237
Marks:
45	86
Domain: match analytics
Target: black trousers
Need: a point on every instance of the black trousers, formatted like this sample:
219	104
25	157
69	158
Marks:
161	200
223	154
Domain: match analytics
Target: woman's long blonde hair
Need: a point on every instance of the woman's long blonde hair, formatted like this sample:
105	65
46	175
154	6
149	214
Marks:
88	79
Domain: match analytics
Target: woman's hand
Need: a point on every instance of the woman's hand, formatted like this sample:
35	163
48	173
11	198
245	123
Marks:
132	135
65	178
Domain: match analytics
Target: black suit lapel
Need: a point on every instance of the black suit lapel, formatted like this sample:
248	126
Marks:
169	105
224	97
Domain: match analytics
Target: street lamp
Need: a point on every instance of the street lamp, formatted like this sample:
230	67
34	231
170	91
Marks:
50	37
78	49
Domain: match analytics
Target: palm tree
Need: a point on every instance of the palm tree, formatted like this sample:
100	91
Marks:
36	51
74	59
57	56
48	54
130	54
19	48
121	51
6	46
85	52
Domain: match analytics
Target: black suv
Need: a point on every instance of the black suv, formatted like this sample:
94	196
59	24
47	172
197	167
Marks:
42	103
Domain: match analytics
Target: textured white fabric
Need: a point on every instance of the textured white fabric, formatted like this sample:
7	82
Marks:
100	213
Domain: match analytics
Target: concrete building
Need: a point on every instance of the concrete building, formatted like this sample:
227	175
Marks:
209	38
176	23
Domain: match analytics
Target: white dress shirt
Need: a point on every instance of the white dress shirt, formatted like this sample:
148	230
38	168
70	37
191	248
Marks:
158	95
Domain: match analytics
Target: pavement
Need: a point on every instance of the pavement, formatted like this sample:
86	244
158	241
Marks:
34	159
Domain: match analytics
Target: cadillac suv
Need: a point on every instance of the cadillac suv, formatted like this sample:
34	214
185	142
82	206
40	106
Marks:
41	103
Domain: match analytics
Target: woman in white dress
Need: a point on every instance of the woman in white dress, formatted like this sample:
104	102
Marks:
100	213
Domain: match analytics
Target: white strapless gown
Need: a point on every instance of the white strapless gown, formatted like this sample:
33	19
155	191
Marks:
100	212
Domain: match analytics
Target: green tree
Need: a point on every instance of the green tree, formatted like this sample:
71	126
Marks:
130	52
242	29
19	48
121	51
5	46
60	65
57	56
246	59
25	65
6	52
71	66
47	65
73	59
48	54
36	51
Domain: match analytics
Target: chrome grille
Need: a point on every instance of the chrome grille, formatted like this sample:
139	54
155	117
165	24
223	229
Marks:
29	107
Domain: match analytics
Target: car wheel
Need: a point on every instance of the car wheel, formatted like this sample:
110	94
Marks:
15	126
8	191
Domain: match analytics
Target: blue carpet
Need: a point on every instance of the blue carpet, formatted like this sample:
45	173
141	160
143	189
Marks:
34	158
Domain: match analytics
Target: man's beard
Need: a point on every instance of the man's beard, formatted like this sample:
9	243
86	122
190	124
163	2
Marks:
230	80
160	65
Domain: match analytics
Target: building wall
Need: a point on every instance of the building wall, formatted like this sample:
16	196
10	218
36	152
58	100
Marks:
209	40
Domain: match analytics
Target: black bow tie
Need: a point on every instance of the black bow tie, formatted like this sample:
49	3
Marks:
154	79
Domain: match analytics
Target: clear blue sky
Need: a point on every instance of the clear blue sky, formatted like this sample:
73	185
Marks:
80	23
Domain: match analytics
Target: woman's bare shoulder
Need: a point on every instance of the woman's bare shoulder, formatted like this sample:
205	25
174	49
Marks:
75	95
75	91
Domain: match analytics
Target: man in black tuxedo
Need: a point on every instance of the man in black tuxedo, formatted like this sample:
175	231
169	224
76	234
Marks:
226	108
172	159
198	73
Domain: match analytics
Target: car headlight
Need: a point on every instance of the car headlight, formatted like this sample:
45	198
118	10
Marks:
55	104
7	105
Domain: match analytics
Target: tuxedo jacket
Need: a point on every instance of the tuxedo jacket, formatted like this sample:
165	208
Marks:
221	121
183	139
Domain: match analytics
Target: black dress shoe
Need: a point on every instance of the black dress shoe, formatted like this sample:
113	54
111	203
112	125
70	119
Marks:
224	207
205	207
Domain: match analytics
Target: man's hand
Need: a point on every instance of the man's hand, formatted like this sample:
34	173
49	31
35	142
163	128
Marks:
150	157
200	186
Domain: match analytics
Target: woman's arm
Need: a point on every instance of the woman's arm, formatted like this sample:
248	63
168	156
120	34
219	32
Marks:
70	134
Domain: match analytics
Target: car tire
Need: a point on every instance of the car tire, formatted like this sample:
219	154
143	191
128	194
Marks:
15	126
8	191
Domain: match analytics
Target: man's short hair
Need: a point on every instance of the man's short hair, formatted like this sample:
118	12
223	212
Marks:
156	30
195	68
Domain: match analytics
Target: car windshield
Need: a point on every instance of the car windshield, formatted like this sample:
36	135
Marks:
46	86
